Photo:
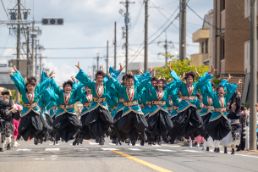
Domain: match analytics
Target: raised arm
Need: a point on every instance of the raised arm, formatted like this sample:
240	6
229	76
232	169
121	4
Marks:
18	80
204	79
171	86
114	83
231	89
144	81
114	73
84	78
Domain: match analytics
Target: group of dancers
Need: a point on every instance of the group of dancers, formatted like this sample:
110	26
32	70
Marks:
128	108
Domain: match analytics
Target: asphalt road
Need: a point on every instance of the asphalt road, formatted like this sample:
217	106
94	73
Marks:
111	158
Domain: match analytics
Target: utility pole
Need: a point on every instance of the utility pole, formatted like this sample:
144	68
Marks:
107	62
36	57
32	50
98	62
182	35
253	73
166	51
18	33
146	2
28	51
40	64
115	45
93	71
127	20
127	34
166	44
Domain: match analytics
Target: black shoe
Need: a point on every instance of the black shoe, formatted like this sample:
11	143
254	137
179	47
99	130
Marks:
133	142
218	150
1	149
97	140
74	143
8	147
225	150
101	141
207	149
35	141
142	142
233	151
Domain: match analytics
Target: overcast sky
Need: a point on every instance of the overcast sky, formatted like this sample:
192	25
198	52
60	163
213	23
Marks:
90	23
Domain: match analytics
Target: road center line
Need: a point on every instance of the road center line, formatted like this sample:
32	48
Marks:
142	162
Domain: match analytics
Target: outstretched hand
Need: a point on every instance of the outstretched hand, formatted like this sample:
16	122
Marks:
196	71
140	71
239	81
73	78
52	74
213	70
229	77
170	68
13	70
121	67
78	66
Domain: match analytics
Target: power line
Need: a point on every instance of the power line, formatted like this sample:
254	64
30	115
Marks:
199	16
164	24
4	8
77	48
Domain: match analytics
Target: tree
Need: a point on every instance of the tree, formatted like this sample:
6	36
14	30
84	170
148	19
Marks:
180	67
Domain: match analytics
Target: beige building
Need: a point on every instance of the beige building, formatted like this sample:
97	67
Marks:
230	33
203	36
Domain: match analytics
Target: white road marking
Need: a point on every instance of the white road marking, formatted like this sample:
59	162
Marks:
112	144
173	146
23	150
109	149
156	145
52	149
165	150
81	149
93	143
39	159
249	156
53	157
192	151
134	149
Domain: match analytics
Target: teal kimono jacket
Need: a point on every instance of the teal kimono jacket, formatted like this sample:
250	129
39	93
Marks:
29	104
189	98
156	101
100	93
220	104
207	102
65	103
131	97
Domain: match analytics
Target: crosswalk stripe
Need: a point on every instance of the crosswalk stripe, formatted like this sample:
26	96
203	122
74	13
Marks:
23	150
52	149
192	151
134	149
165	150
39	159
173	146
249	156
109	149
53	157
93	143
112	144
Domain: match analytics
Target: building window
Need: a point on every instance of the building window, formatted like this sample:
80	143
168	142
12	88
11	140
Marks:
202	47
222	5
222	48
207	46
